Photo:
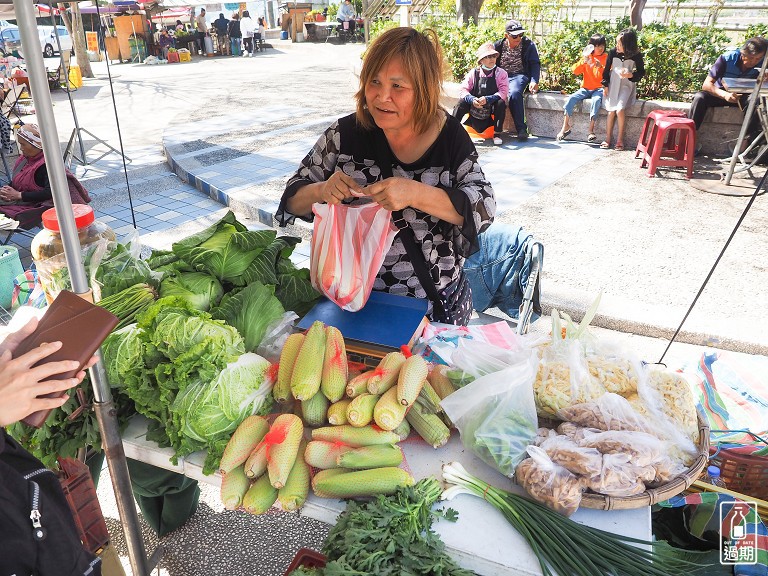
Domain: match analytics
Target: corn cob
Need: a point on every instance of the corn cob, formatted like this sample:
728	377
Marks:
403	431
282	389
337	412
360	410
234	485
323	455
440	382
385	374
335	368
260	496
354	484
388	412
293	495
355	437
429	426
308	368
429	398
370	457
243	442
359	384
256	464
412	375
284	438
313	410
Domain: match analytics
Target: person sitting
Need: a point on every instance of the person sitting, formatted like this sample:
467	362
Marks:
347	14
164	41
483	95
30	188
591	66
519	57
741	63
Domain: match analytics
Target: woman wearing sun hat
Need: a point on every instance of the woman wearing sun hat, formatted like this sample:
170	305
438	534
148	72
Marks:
483	96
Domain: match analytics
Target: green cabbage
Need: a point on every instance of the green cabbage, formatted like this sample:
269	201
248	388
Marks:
251	310
201	290
123	353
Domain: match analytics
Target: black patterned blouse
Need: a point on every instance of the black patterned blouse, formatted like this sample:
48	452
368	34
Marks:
450	164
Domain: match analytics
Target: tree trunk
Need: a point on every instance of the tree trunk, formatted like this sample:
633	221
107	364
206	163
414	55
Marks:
467	10
77	33
636	13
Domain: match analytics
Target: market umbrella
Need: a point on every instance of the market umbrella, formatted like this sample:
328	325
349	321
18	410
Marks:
110	435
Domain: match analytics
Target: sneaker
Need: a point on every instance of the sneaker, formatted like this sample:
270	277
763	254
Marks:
245	54
522	136
497	141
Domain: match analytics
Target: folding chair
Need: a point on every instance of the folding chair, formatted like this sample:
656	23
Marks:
29	221
54	79
11	101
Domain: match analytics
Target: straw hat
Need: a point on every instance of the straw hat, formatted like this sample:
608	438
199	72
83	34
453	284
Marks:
486	49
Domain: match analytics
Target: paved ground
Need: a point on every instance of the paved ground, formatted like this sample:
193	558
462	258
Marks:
237	127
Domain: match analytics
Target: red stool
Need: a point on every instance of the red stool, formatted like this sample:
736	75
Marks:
672	143
645	142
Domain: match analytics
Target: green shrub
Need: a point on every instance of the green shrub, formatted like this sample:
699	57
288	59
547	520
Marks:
756	30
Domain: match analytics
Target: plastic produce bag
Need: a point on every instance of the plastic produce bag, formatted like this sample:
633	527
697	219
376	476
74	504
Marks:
576	459
496	415
349	243
275	336
476	358
619	477
549	483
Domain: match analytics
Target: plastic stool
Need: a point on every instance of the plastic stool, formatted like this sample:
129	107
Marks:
644	143
680	148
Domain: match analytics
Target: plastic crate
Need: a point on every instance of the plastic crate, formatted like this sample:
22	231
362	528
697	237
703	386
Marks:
745	473
306	558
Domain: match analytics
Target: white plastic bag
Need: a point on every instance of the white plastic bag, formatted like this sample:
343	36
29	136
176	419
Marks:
496	415
349	243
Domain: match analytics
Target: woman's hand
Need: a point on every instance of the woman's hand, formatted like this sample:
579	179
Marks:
339	187
393	193
9	194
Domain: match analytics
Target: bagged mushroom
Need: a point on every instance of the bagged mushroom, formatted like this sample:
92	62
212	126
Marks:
576	459
549	483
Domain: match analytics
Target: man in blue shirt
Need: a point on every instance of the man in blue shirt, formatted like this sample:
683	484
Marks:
742	63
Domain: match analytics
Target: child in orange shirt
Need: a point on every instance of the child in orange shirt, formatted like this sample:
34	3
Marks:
591	67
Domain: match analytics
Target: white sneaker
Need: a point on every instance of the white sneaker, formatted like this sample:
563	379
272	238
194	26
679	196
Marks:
497	141
245	54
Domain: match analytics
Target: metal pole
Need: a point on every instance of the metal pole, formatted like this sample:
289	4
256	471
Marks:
745	123
113	447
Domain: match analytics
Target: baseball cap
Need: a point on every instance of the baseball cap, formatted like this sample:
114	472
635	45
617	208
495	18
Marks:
514	28
486	49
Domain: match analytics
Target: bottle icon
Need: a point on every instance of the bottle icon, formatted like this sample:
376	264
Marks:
738	531
713	477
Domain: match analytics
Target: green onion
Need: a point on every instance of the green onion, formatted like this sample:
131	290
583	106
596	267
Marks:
567	548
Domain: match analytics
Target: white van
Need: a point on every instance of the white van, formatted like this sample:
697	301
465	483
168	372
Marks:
48	43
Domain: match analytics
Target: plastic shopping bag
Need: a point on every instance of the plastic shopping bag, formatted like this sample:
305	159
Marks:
349	243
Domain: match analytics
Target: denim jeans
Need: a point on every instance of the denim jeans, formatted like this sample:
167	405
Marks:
583	94
517	85
498	272
235	46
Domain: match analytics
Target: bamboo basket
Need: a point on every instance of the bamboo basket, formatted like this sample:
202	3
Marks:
655	495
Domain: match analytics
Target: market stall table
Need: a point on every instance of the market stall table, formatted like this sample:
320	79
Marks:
482	540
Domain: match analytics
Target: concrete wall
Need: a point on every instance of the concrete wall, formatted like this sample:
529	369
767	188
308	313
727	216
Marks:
545	118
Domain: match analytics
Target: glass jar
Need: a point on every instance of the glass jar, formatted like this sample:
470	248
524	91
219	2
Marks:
48	247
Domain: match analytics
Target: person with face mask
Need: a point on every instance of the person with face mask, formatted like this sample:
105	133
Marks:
483	95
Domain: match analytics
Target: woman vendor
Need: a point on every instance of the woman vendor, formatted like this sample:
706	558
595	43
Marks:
30	188
407	154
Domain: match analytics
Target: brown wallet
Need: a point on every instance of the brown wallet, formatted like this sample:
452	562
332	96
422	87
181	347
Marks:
80	326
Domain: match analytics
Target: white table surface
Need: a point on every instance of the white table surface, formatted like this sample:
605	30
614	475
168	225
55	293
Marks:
481	540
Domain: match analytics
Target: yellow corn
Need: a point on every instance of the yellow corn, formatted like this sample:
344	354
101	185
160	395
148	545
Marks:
430	397
351	436
337	412
385	374
403	430
440	382
335	367
288	355
322	454
293	495
412	375
260	496
313	410
256	464
359	384
245	439
360	410
234	485
286	434
308	369
370	457
354	484
428	426
388	412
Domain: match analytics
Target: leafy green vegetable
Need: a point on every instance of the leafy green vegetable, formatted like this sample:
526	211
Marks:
391	536
200	289
251	310
119	269
294	288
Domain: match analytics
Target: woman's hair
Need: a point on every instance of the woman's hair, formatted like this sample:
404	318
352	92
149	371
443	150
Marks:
754	46
597	40
246	14
422	61
235	16
628	38
261	20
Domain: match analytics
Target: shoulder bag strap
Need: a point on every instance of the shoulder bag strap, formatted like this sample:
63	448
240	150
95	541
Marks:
416	256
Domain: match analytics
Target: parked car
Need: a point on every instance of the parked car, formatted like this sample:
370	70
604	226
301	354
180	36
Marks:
10	40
